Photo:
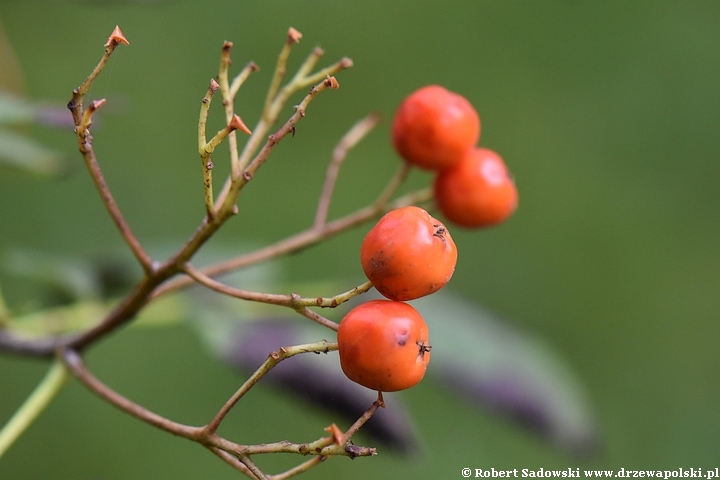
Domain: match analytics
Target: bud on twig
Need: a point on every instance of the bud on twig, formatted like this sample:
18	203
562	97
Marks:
293	36
116	37
236	123
331	82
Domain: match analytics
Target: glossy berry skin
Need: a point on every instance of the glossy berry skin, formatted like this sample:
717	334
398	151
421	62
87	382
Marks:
433	127
477	192
383	345
408	254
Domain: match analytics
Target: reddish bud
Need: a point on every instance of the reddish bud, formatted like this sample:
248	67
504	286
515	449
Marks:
337	434
116	37
236	123
293	35
96	104
331	82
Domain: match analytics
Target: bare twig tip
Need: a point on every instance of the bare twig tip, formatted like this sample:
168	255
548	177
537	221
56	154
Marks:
236	123
318	52
293	35
227	45
253	66
346	62
116	37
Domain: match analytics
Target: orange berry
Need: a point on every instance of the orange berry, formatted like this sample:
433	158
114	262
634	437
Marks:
433	128
383	345
477	192
408	254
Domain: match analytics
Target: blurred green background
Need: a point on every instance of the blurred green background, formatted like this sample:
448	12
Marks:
606	112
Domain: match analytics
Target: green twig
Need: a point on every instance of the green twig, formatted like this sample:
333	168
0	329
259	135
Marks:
38	400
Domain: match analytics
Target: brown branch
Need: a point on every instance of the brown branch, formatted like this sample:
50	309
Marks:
75	104
75	364
205	435
232	461
81	119
252	467
273	359
300	240
364	418
293	300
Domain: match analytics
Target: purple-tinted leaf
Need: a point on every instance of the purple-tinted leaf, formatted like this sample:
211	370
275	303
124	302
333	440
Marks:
501	367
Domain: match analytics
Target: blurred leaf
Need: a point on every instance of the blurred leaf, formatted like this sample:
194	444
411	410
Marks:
75	278
163	312
58	320
507	369
15	110
23	153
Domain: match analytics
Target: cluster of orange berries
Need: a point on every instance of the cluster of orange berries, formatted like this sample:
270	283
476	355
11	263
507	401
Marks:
383	344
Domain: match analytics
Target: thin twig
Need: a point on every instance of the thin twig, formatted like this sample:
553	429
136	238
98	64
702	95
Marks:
280	68
364	418
74	362
82	123
75	104
88	154
342	64
232	461
241	77
270	116
289	126
316	317
148	289
292	300
35	404
252	467
205	161
273	359
346	143
323	447
229	90
300	240
302	468
397	179
307	66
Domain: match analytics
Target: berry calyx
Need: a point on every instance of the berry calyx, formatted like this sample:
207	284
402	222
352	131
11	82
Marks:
383	345
433	127
408	254
477	192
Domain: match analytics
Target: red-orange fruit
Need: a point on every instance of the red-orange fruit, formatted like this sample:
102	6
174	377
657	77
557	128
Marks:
433	127
383	345
408	254
477	192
